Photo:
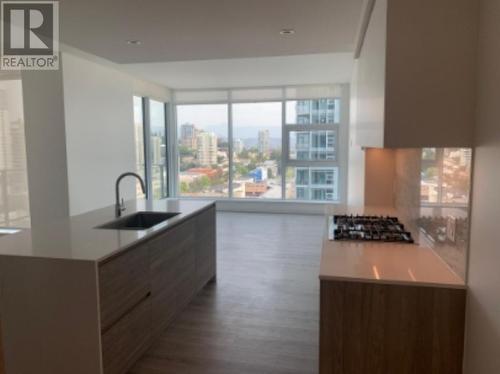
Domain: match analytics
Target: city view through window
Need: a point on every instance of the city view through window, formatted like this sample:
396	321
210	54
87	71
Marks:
155	144
257	159
257	150
203	150
140	165
158	149
14	196
446	176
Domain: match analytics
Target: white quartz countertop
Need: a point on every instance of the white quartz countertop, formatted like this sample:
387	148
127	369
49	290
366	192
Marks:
76	238
389	263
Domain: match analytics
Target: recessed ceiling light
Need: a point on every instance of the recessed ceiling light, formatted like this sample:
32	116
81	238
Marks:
287	32
134	42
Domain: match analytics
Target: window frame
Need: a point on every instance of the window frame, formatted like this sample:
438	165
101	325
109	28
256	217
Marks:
341	139
148	166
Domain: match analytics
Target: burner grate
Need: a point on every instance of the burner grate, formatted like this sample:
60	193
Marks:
369	228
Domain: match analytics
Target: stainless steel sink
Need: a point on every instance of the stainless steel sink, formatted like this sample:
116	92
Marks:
138	221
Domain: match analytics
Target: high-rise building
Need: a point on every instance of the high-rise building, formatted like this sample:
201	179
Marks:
316	183
14	203
320	111
238	146
139	146
189	135
315	145
207	148
465	156
157	153
263	143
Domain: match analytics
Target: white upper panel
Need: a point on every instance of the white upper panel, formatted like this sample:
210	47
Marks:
250	72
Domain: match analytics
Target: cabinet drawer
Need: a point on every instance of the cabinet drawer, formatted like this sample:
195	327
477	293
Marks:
127	339
123	282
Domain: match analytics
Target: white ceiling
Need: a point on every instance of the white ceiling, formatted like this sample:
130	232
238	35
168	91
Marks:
182	30
249	72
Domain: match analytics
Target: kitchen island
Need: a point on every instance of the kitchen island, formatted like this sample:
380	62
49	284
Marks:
80	299
388	308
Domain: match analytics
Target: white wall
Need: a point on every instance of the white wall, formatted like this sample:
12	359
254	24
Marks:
100	140
80	134
45	145
99	132
483	319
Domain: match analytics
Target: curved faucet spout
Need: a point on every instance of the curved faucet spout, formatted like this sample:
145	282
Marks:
119	206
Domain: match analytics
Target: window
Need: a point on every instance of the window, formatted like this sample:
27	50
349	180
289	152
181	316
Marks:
203	150
257	150
312	112
312	128
313	183
14	197
232	146
150	125
302	177
313	145
446	176
158	149
139	142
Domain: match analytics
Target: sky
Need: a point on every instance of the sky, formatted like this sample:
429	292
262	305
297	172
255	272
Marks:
248	118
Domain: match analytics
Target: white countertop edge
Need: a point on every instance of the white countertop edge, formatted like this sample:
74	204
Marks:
32	243
152	232
394	282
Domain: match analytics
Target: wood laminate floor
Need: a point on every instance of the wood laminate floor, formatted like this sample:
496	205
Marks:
262	315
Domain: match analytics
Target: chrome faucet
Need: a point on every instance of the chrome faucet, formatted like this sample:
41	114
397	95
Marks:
119	205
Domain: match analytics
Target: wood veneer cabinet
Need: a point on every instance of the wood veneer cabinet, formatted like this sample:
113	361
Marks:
98	316
143	289
414	80
390	329
205	247
172	273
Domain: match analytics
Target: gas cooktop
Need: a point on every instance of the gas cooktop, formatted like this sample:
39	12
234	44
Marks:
368	228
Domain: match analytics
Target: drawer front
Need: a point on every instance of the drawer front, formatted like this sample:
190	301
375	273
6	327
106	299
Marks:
172	273
123	282
127	339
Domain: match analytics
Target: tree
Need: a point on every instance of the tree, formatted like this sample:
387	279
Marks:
275	154
241	169
186	151
244	153
184	187
200	184
205	182
187	165
430	173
